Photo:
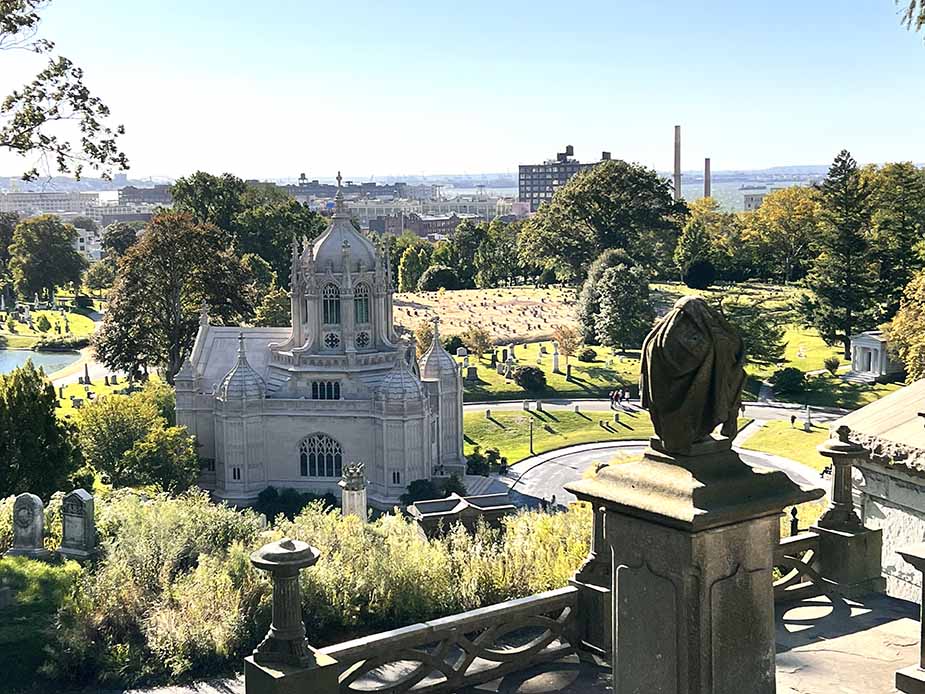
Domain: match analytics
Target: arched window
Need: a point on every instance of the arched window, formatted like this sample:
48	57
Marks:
320	456
361	303
330	304
325	390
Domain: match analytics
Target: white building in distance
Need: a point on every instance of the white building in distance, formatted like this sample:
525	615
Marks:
291	407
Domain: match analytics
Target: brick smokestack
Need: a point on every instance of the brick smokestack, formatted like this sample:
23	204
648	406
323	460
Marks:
707	184
677	162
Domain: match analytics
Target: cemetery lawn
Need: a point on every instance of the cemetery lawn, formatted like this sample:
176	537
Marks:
39	589
509	431
24	338
589	379
777	438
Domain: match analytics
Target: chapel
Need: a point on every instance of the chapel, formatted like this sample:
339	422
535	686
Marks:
291	407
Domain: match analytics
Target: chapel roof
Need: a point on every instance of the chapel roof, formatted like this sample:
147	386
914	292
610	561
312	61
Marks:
437	362
328	249
400	383
242	382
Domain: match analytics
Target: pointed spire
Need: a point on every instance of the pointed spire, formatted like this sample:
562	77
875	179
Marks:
340	209
436	321
242	354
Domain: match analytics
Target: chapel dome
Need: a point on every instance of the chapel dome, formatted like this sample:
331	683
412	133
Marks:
242	382
328	249
400	383
437	362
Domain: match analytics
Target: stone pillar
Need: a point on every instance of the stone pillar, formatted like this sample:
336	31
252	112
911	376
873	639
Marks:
849	553
595	599
912	679
690	539
284	662
28	528
353	491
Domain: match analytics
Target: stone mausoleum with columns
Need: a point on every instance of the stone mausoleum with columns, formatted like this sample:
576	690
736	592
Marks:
291	407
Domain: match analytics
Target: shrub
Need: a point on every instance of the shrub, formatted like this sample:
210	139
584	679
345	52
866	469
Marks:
587	355
451	343
788	381
530	378
43	324
477	464
453	485
831	364
547	277
10	324
700	274
68	343
438	277
272	502
420	490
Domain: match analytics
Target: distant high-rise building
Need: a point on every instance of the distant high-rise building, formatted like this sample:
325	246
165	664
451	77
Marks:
537	183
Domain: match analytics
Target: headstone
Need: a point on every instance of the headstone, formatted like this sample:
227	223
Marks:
504	355
78	539
542	349
501	368
526	405
568	372
465	362
494	358
461	351
86	373
77	403
487	414
616	417
60	392
115	379
577	408
472	373
539	405
28	528
555	362
106	380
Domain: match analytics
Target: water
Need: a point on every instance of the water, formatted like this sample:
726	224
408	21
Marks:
50	361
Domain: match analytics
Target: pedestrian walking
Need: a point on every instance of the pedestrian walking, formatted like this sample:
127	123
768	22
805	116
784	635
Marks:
793	420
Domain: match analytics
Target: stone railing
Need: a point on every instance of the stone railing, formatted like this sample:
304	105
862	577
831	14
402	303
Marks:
794	558
447	654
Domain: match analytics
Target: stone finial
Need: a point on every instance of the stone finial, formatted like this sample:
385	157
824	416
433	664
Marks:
843	432
354	477
340	209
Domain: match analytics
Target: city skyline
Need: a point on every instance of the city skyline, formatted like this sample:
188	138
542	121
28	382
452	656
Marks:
417	90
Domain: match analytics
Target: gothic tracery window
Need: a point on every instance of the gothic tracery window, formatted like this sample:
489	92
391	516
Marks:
330	304
361	303
320	456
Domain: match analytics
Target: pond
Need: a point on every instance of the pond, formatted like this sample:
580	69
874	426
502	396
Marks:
50	361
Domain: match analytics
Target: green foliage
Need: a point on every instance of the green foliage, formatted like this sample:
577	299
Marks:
414	261
33	114
530	378
100	275
43	256
55	343
843	279
789	381
476	340
700	274
783	231
612	205
453	485
589	299
272	502
626	311
259	271
131	441
36	448
154	305
274	309
438	277
587	355
43	324
761	327
174	595
420	490
496	257
906	332
11	324
119	237
569	340
832	364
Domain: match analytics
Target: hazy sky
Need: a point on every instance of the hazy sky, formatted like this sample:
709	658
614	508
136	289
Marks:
269	89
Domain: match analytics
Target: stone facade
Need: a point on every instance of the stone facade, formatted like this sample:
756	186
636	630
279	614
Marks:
870	358
296	404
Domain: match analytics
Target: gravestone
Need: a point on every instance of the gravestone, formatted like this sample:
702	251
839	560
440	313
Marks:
106	380
28	528
487	414
78	539
542	349
461	352
472	373
494	359
115	380
504	355
60	392
500	367
568	372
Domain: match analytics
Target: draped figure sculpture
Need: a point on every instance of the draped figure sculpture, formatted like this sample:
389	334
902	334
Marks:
692	374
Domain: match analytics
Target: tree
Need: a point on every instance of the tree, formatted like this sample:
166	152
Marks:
612	205
42	323
466	241
569	339
423	337
210	199
626	313
897	228
843	277
413	264
700	274
913	14
261	274
8	222
761	326
162	282
120	236
788	381
274	310
43	256
55	116
477	340
589	299
496	256
906	332
100	275
694	245
85	223
166	457
438	277
37	447
530	378
420	490
784	230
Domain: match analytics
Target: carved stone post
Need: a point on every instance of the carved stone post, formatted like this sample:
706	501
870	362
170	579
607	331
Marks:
284	662
849	554
595	599
912	679
353	491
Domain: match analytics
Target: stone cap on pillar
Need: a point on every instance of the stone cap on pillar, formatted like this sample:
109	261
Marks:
711	488
841	447
914	554
285	553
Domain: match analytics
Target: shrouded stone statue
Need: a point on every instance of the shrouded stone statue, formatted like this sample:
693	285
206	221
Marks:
692	374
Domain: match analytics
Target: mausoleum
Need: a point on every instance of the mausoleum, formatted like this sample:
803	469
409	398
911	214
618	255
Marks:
870	357
291	407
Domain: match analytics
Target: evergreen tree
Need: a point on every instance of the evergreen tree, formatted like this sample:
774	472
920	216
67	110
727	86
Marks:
414	261
844	275
36	447
589	299
626	312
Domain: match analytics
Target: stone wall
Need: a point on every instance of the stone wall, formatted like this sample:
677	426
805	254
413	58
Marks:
892	499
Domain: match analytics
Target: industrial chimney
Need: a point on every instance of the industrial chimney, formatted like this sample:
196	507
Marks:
677	162
706	178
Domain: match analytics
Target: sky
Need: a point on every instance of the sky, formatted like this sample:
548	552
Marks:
272	89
